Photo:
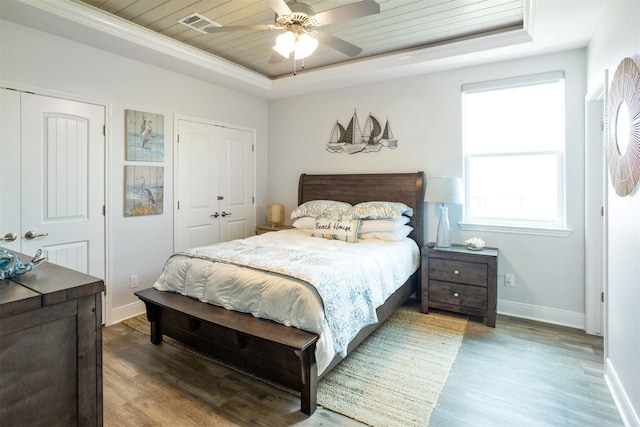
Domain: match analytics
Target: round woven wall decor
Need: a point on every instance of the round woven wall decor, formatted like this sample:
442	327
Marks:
622	128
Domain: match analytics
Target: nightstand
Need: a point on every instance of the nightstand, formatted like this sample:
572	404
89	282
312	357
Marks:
460	280
261	229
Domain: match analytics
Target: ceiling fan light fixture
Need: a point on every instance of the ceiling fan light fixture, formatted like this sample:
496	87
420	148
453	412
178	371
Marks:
305	46
285	43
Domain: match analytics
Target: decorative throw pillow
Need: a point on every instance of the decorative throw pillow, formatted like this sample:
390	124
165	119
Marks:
333	229
388	236
379	210
305	222
324	208
388	224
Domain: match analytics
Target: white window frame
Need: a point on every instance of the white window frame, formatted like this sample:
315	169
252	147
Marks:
549	228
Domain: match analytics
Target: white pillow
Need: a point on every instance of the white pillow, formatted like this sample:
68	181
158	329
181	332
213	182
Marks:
305	222
379	210
390	224
332	229
388	236
324	208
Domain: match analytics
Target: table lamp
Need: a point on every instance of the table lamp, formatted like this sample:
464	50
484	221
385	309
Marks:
275	214
444	190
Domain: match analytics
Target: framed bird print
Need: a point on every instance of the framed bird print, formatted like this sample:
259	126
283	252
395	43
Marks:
143	190
144	136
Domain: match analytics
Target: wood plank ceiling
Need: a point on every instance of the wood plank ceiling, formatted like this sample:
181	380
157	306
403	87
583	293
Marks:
401	26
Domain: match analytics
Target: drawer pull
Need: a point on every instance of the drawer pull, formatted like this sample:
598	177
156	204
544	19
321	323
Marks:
456	272
455	294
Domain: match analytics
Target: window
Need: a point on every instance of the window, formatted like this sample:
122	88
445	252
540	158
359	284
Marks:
513	143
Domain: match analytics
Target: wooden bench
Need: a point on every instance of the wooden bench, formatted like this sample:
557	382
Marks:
285	355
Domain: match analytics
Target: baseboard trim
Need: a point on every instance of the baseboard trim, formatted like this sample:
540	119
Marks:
629	416
554	316
127	311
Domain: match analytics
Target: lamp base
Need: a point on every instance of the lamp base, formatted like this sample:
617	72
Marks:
443	239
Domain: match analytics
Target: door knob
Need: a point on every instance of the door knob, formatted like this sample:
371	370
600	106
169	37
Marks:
9	237
215	215
30	235
226	213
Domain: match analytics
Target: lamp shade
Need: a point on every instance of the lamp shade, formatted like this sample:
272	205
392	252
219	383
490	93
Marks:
302	45
444	190
285	43
275	213
305	46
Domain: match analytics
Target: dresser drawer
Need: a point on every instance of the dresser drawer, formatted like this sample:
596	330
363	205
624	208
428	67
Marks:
458	295
458	271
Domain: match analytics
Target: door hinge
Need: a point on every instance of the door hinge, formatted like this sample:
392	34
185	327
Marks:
178	204
104	210
178	138
104	130
601	210
602	126
253	200
602	296
253	148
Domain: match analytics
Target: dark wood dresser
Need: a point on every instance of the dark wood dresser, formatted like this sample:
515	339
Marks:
460	280
51	348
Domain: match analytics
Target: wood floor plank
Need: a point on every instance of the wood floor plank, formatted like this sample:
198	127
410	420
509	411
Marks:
526	373
520	373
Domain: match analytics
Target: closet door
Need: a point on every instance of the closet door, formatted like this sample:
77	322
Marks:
197	176
214	179
236	183
60	181
10	169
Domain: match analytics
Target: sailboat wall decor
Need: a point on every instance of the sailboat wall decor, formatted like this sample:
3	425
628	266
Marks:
354	139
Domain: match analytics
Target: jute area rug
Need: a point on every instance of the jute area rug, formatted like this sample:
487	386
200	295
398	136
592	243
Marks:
395	376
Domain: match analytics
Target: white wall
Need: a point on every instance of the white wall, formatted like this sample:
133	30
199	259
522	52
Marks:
47	64
617	37
425	115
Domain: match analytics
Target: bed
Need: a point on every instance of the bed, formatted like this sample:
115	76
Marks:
286	354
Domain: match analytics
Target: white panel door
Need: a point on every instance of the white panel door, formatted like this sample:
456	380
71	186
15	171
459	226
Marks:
10	169
61	181
214	183
236	184
197	183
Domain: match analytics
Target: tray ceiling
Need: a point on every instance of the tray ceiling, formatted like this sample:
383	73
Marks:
401	26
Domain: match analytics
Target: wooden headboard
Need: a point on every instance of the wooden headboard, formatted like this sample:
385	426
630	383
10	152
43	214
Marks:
407	188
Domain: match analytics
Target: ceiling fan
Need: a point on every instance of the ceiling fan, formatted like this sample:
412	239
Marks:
300	23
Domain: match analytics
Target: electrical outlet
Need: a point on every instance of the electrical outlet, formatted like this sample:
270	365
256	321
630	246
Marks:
509	280
133	279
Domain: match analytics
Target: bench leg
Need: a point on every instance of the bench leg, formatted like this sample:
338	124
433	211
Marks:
153	316
309	392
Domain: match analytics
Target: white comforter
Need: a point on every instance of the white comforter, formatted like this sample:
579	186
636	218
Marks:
282	275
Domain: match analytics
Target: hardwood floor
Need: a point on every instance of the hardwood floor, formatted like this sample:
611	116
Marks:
526	373
521	373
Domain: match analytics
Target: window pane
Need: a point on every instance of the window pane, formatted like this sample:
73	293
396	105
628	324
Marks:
514	119
513	188
514	139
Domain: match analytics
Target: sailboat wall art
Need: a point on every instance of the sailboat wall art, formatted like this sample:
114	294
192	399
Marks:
353	139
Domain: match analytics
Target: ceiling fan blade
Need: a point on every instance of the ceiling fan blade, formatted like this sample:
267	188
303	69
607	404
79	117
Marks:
350	11
280	7
337	43
216	29
276	58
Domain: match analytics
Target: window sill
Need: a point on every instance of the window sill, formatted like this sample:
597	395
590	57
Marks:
516	229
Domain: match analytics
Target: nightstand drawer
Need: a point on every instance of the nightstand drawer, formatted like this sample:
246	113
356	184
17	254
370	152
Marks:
458	295
458	271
